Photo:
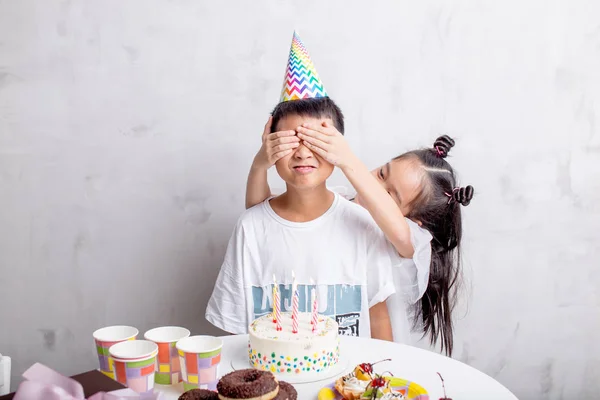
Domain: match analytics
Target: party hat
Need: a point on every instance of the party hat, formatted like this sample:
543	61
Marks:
301	78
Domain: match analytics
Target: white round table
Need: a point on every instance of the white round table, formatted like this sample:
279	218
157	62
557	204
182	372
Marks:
417	365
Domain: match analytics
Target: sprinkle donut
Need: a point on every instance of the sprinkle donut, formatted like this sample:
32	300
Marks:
248	384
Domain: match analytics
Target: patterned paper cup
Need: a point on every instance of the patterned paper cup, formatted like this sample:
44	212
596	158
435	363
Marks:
136	369
107	337
200	357
168	371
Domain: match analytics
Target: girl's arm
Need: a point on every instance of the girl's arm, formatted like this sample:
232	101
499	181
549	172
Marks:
326	141
257	187
274	146
381	325
381	206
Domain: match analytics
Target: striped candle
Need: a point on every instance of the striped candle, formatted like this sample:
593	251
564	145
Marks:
278	314
314	319
275	299
295	311
278	326
295	301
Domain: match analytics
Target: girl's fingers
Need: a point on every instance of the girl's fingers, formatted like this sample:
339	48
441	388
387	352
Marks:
316	149
315	142
281	154
315	134
267	129
280	134
286	139
283	147
325	128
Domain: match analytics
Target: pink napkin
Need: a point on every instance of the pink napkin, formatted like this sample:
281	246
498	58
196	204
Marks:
43	383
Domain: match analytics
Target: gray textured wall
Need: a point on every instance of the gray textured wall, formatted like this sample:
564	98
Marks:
127	128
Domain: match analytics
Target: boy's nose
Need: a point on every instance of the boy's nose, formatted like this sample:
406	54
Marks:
303	152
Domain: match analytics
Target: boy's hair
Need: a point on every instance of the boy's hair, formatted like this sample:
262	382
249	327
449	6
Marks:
315	108
438	208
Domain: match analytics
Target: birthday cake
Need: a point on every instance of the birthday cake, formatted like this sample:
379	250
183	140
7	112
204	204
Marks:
284	352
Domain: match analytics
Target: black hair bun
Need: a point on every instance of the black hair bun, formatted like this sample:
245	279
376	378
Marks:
442	145
463	195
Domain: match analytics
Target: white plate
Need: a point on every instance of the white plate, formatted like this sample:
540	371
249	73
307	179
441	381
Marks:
240	361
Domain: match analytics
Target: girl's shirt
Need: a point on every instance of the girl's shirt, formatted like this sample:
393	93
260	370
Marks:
410	275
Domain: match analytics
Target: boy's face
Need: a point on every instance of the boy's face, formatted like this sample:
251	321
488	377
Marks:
302	169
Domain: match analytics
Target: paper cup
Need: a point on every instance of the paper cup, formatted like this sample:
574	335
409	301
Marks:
168	371
107	337
133	350
200	357
136	369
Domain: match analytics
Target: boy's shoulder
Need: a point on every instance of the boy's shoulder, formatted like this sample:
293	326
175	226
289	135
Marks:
253	214
352	210
345	213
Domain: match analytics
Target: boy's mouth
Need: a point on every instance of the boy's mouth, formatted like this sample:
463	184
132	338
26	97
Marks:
304	169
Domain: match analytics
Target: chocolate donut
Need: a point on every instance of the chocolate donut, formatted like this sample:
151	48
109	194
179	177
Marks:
248	384
286	392
199	394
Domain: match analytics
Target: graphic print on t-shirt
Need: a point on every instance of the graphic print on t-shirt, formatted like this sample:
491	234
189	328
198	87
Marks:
340	302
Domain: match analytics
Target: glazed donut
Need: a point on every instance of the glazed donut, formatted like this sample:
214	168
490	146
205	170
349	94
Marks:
286	392
248	384
199	394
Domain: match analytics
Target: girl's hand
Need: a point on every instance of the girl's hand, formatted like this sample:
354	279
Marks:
327	142
274	146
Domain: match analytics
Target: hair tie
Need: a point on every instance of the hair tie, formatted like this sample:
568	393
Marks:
439	151
451	195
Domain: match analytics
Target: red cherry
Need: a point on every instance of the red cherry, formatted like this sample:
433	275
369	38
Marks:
366	367
444	387
378	383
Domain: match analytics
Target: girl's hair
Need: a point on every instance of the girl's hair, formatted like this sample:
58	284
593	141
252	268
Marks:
437	207
315	108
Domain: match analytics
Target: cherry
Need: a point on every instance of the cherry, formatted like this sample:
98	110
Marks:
368	367
378	383
443	387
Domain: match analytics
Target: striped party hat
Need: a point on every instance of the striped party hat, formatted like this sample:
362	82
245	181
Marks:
301	78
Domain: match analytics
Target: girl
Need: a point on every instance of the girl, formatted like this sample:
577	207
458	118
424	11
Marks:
415	201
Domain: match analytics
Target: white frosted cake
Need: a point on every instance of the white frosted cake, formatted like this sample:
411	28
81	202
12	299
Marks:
287	353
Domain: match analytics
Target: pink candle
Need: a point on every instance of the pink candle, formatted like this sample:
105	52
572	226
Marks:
314	319
278	322
294	305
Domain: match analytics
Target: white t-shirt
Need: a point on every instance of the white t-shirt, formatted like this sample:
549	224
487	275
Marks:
411	277
343	251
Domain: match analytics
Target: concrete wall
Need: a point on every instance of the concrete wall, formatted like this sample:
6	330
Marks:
127	128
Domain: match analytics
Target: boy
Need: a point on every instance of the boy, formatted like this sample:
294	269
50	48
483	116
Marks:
329	243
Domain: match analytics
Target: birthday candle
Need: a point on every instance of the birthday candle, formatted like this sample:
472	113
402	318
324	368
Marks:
275	299
294	305
278	315
314	319
312	300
